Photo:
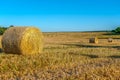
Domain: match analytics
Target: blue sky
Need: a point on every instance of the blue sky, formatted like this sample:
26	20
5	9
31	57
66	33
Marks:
61	15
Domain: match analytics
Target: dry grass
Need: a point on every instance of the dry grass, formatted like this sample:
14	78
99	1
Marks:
66	56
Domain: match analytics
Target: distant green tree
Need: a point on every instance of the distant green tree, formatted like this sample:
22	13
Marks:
11	26
113	30
117	30
2	30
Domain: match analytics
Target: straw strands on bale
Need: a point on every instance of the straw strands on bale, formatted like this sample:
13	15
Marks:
22	40
93	40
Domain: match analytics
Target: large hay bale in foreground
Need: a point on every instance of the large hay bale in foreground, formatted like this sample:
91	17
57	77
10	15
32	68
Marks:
22	40
93	40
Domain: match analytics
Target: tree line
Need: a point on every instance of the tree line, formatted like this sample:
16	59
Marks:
2	29
117	30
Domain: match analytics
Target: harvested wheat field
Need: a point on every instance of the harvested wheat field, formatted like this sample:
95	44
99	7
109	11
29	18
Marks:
67	56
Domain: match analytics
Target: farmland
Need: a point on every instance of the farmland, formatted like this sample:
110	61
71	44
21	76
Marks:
66	56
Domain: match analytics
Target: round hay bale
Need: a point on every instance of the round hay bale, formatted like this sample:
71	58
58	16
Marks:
93	40
110	40
22	40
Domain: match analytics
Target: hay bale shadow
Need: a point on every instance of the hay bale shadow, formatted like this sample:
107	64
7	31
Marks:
111	33
91	46
90	55
82	45
114	56
87	55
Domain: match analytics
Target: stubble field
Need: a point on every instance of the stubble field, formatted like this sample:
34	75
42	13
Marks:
66	56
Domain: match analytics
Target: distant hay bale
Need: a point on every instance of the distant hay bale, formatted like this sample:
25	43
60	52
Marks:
93	40
22	40
110	40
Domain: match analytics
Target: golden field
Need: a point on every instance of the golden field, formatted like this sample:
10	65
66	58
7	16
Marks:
66	56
